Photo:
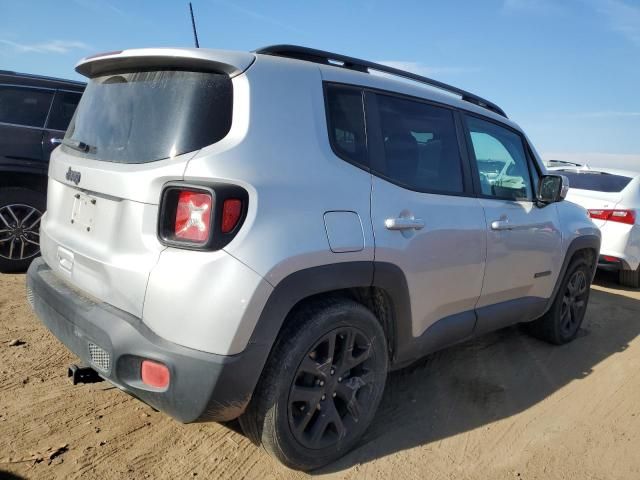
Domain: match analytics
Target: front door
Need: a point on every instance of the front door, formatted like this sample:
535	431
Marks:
523	238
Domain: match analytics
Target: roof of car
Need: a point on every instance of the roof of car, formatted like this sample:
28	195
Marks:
590	169
31	80
361	72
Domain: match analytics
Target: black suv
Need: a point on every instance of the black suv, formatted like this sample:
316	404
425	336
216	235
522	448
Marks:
34	114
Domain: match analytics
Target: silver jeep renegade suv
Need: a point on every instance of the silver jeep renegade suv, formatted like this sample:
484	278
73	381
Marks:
265	235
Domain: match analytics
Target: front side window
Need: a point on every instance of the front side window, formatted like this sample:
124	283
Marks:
345	119
420	145
64	105
501	160
141	117
24	106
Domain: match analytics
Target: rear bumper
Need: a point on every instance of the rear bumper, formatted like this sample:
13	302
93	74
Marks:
620	241
203	386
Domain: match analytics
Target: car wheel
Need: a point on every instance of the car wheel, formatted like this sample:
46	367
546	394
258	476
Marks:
20	213
629	278
561	323
321	386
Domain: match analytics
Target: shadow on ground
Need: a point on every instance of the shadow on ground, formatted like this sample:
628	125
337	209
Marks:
490	378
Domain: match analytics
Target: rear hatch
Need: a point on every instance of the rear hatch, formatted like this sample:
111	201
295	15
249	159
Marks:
144	114
595	190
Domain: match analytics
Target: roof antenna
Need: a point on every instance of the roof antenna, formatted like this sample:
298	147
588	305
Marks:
193	23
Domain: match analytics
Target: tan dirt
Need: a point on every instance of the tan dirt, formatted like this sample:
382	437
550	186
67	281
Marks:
504	406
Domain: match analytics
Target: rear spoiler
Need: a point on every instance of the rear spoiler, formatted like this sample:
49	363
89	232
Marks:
198	59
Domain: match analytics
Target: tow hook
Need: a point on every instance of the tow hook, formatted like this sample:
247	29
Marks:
83	375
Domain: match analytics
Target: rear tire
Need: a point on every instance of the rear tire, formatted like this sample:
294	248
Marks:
321	385
20	213
562	322
629	278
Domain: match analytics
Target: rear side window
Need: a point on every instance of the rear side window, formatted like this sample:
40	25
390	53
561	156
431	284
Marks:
24	106
64	105
502	163
141	117
345	118
596	182
420	145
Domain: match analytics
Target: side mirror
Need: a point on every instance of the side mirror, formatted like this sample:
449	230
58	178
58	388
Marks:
552	188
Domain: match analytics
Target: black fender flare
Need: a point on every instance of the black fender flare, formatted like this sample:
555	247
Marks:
584	242
322	279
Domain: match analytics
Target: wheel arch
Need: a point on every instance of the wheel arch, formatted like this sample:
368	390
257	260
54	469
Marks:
586	246
381	287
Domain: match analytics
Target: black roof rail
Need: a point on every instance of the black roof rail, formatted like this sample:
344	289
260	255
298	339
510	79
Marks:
337	60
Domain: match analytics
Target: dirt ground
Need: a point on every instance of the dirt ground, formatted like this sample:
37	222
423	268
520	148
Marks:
504	406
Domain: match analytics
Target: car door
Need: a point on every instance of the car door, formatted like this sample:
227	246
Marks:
523	238
62	110
426	220
23	111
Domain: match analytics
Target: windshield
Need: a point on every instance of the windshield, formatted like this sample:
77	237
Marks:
141	117
596	182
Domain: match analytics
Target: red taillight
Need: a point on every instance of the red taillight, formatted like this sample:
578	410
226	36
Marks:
193	216
154	374
610	259
621	216
231	211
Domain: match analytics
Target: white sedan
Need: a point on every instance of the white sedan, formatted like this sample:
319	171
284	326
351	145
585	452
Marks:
612	198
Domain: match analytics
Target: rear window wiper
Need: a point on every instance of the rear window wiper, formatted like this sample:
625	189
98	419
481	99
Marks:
78	145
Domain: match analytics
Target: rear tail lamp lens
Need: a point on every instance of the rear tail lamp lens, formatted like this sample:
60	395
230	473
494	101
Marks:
231	212
193	216
620	216
154	374
201	217
610	259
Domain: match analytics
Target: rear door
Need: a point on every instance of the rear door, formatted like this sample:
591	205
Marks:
62	109
23	111
425	218
523	239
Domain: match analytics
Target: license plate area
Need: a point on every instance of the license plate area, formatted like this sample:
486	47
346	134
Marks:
83	211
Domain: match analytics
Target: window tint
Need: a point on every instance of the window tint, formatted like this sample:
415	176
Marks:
140	117
346	123
420	144
64	104
596	181
502	162
24	106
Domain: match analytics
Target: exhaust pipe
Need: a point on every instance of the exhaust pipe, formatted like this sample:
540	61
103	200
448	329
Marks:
83	375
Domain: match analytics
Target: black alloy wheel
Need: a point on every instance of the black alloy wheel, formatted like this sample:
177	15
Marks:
331	387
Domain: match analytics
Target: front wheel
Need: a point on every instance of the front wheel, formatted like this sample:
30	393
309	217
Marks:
321	386
563	320
20	213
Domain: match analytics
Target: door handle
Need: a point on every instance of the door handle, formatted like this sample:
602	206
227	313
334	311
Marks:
55	141
403	223
501	225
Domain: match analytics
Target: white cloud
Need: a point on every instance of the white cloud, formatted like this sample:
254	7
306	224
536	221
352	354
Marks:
622	18
425	70
53	46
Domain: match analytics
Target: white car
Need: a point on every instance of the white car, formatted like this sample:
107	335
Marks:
612	197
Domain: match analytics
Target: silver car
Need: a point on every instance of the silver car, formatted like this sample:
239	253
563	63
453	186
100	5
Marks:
265	235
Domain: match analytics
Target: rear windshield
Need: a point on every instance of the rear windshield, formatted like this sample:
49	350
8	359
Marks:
597	182
142	117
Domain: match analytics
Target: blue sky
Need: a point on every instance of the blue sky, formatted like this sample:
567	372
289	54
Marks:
567	71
